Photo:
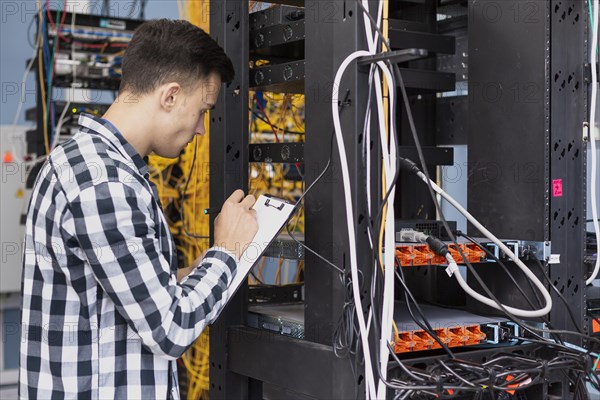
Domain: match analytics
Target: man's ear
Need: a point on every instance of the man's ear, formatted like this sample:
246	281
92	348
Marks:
170	95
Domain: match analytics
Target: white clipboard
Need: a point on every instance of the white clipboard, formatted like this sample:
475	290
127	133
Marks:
272	214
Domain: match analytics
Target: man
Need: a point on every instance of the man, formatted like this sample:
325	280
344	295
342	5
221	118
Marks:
103	314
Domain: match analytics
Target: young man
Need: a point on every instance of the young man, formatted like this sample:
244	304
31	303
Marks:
103	313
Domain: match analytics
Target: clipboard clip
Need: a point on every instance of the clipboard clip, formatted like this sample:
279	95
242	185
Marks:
279	207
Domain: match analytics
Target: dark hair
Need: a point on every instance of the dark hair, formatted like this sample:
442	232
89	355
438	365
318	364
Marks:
165	50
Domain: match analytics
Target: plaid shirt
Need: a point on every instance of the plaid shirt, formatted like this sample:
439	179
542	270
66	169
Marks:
103	316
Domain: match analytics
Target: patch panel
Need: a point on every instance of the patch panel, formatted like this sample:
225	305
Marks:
457	336
412	255
454	328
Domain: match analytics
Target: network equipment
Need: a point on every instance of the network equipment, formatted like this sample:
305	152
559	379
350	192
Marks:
76	51
501	310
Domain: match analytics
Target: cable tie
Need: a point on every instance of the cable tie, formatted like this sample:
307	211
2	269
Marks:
451	269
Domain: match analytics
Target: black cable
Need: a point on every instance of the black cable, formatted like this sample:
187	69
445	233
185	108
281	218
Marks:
558	293
183	196
501	264
343	104
514	281
326	261
255	114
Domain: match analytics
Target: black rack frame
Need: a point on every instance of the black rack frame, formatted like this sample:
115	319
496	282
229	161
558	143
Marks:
242	358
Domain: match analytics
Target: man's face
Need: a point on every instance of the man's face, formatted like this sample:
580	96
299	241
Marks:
188	117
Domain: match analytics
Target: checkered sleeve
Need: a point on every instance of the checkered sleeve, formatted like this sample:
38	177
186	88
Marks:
114	226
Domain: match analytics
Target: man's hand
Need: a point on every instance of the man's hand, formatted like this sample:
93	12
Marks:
236	225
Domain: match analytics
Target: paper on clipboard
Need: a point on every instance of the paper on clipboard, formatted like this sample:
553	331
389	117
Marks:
272	214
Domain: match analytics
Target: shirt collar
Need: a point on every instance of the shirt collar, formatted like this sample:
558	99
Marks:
106	129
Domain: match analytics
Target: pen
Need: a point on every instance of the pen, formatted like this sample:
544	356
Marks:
211	211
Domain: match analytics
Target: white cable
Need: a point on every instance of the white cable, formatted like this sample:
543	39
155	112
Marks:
369	380
367	143
388	275
452	270
368	32
388	149
592	135
389	169
60	124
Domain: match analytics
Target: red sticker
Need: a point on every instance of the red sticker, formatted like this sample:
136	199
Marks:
557	188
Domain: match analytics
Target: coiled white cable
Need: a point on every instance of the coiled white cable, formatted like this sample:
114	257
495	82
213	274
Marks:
453	269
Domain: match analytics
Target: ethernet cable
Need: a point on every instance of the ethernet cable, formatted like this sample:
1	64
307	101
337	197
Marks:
452	269
389	169
388	312
369	379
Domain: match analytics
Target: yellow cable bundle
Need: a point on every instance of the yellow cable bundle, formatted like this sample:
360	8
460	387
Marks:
196	359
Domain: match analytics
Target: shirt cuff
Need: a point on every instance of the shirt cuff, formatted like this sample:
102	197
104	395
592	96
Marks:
226	251
226	259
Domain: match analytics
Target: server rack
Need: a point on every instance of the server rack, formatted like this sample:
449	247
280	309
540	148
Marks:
548	37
